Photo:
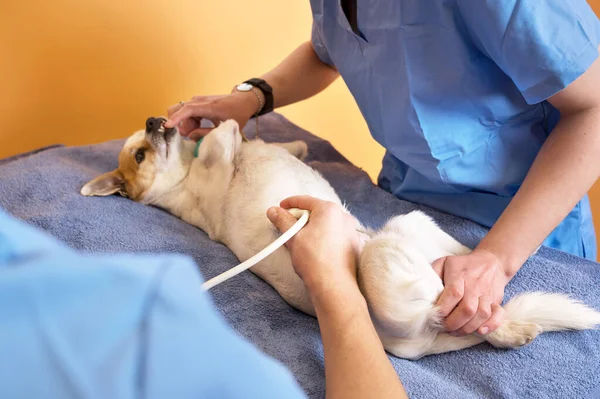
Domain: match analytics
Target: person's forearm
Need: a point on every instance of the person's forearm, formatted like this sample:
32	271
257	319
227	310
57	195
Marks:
356	365
300	76
564	170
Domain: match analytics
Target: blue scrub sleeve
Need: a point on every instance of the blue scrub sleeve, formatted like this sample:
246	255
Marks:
319	47
120	326
542	45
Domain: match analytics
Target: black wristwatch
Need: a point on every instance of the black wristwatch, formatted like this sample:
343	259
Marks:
264	88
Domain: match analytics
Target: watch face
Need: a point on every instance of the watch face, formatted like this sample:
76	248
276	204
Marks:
245	87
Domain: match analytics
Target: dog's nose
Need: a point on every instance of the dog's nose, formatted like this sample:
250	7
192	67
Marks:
153	124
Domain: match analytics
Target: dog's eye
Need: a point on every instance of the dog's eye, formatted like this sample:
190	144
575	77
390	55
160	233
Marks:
139	156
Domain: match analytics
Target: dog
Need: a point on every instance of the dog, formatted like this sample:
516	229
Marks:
226	190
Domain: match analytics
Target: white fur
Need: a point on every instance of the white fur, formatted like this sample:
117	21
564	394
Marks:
228	188
401	289
227	191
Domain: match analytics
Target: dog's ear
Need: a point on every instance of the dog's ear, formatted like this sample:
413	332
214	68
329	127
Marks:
106	184
221	144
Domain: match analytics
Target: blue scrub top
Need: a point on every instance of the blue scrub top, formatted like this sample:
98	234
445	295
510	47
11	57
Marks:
118	326
456	90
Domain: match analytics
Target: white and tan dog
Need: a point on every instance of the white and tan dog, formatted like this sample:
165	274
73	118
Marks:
226	191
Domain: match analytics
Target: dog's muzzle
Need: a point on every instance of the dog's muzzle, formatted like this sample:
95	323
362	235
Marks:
156	129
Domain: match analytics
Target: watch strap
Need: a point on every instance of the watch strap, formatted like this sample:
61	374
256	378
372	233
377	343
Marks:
267	91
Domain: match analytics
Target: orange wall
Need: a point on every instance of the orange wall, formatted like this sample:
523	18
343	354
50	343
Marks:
77	72
595	191
81	72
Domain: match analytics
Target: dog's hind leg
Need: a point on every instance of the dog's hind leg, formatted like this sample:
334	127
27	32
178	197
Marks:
417	348
447	343
297	148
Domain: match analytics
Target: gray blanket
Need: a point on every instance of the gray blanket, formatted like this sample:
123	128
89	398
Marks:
43	189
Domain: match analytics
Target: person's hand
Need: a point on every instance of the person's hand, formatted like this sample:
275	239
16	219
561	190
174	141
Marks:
188	116
473	291
324	253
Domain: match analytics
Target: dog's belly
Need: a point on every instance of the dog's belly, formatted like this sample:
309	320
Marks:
248	230
276	269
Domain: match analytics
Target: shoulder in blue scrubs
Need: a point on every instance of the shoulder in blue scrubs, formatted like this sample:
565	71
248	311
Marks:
127	326
456	91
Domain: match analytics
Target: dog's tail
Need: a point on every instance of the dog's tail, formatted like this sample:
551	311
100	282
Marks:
552	312
530	314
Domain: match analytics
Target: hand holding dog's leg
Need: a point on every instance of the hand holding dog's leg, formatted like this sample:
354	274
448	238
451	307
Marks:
473	291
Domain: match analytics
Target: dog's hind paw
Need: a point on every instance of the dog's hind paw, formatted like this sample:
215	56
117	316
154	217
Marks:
514	334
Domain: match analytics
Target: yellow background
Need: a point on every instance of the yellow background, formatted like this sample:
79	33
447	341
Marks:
82	72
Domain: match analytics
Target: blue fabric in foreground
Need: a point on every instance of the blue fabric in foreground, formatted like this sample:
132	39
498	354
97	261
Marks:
117	326
43	189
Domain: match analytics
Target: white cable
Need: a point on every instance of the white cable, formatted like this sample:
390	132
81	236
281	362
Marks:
300	214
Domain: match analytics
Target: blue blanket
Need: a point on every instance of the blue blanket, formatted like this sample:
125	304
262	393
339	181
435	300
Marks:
42	188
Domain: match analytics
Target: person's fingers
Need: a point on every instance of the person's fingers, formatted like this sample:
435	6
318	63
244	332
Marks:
301	202
494	321
464	312
197	134
438	266
484	312
281	218
450	297
189	110
187	125
173	108
498	296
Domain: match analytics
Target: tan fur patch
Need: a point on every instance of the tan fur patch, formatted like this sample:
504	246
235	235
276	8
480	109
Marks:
138	177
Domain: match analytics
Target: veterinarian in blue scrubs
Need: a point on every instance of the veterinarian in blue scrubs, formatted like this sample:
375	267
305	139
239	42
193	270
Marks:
488	109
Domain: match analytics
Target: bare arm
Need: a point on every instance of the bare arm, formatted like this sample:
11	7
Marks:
566	167
564	170
356	365
300	76
324	256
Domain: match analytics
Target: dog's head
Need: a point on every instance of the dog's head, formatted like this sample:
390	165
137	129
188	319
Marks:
151	162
